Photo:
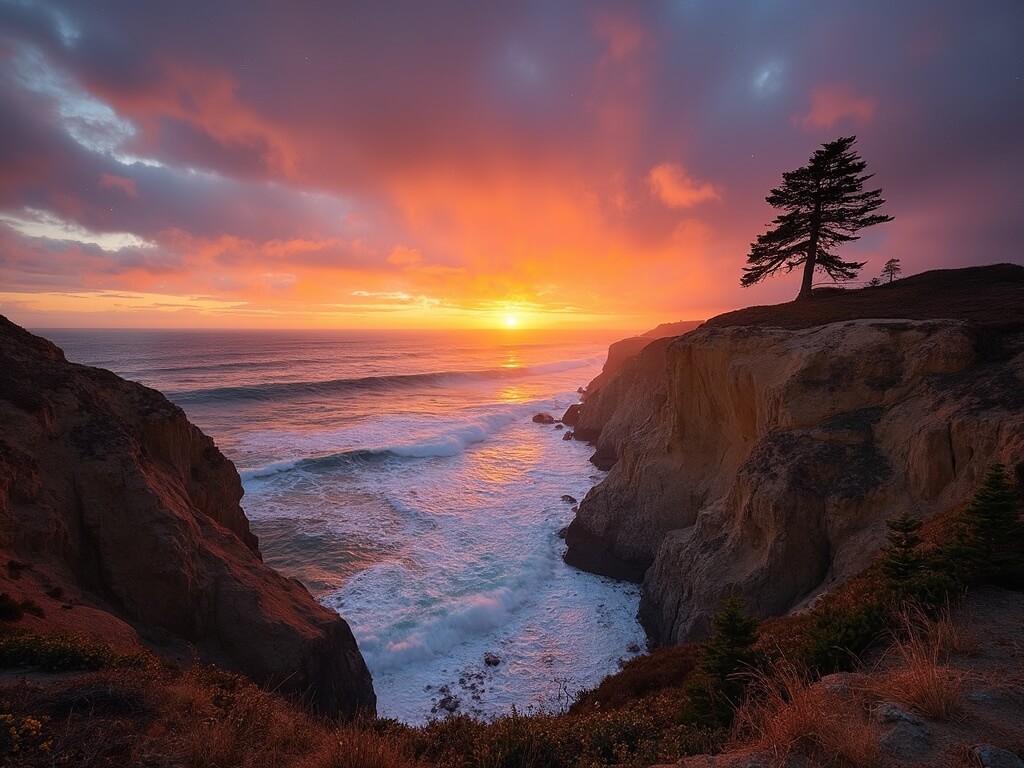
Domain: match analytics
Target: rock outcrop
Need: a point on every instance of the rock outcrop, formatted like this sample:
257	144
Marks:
129	515
763	461
623	350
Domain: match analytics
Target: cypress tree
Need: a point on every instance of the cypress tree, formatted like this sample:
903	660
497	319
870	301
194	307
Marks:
825	206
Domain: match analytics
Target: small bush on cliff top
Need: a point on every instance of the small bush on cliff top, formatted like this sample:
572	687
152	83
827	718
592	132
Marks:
839	636
990	541
10	610
64	652
729	652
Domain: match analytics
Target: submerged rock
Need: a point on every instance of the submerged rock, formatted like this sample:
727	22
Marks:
492	659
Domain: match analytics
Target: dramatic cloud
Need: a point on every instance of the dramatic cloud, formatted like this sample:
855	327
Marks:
834	103
676	189
405	163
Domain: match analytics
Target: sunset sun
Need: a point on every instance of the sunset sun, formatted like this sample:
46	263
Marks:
511	321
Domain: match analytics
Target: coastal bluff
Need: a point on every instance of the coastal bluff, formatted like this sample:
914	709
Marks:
761	454
121	520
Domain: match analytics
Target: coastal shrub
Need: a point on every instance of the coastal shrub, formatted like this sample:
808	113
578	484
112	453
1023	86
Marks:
839	635
989	545
930	581
723	657
901	560
10	609
664	668
21	737
64	652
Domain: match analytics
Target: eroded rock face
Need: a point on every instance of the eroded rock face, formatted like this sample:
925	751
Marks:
107	488
769	465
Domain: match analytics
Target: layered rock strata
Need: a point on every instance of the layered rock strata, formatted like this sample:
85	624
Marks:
764	462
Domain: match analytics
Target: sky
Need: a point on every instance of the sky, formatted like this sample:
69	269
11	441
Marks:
232	163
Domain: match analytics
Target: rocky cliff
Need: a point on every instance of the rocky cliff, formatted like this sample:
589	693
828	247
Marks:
624	350
124	521
761	454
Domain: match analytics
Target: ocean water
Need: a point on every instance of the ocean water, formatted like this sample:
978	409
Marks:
399	476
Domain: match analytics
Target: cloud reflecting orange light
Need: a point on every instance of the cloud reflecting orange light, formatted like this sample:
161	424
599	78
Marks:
561	164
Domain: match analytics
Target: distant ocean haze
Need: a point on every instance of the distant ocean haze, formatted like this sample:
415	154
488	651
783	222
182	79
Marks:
400	477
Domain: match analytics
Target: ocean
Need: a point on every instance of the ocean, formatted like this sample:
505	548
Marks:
400	477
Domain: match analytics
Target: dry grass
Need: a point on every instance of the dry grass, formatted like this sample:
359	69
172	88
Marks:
786	713
983	295
352	746
914	671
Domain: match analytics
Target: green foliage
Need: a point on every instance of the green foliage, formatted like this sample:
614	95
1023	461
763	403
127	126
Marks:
990	536
730	647
824	206
64	652
21	737
838	636
901	560
631	736
724	656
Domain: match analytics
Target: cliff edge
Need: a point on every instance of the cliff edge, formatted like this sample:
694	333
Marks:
761	454
121	520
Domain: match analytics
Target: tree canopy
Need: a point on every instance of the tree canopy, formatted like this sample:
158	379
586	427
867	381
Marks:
824	206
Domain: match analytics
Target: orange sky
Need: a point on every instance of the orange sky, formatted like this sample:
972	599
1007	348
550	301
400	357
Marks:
598	164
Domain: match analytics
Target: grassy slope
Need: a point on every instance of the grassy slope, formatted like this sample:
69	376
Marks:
989	296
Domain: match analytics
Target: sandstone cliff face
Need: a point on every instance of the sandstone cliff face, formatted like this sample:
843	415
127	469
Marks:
624	350
109	493
770	466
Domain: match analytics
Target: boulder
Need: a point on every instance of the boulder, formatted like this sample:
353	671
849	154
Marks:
988	756
543	418
571	415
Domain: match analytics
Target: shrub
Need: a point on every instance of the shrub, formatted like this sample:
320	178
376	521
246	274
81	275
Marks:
10	609
990	537
21	736
902	560
729	651
64	652
839	636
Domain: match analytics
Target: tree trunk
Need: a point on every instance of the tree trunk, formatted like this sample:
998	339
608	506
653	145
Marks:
812	253
805	286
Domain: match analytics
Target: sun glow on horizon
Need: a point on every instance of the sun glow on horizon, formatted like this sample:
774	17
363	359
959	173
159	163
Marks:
511	321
